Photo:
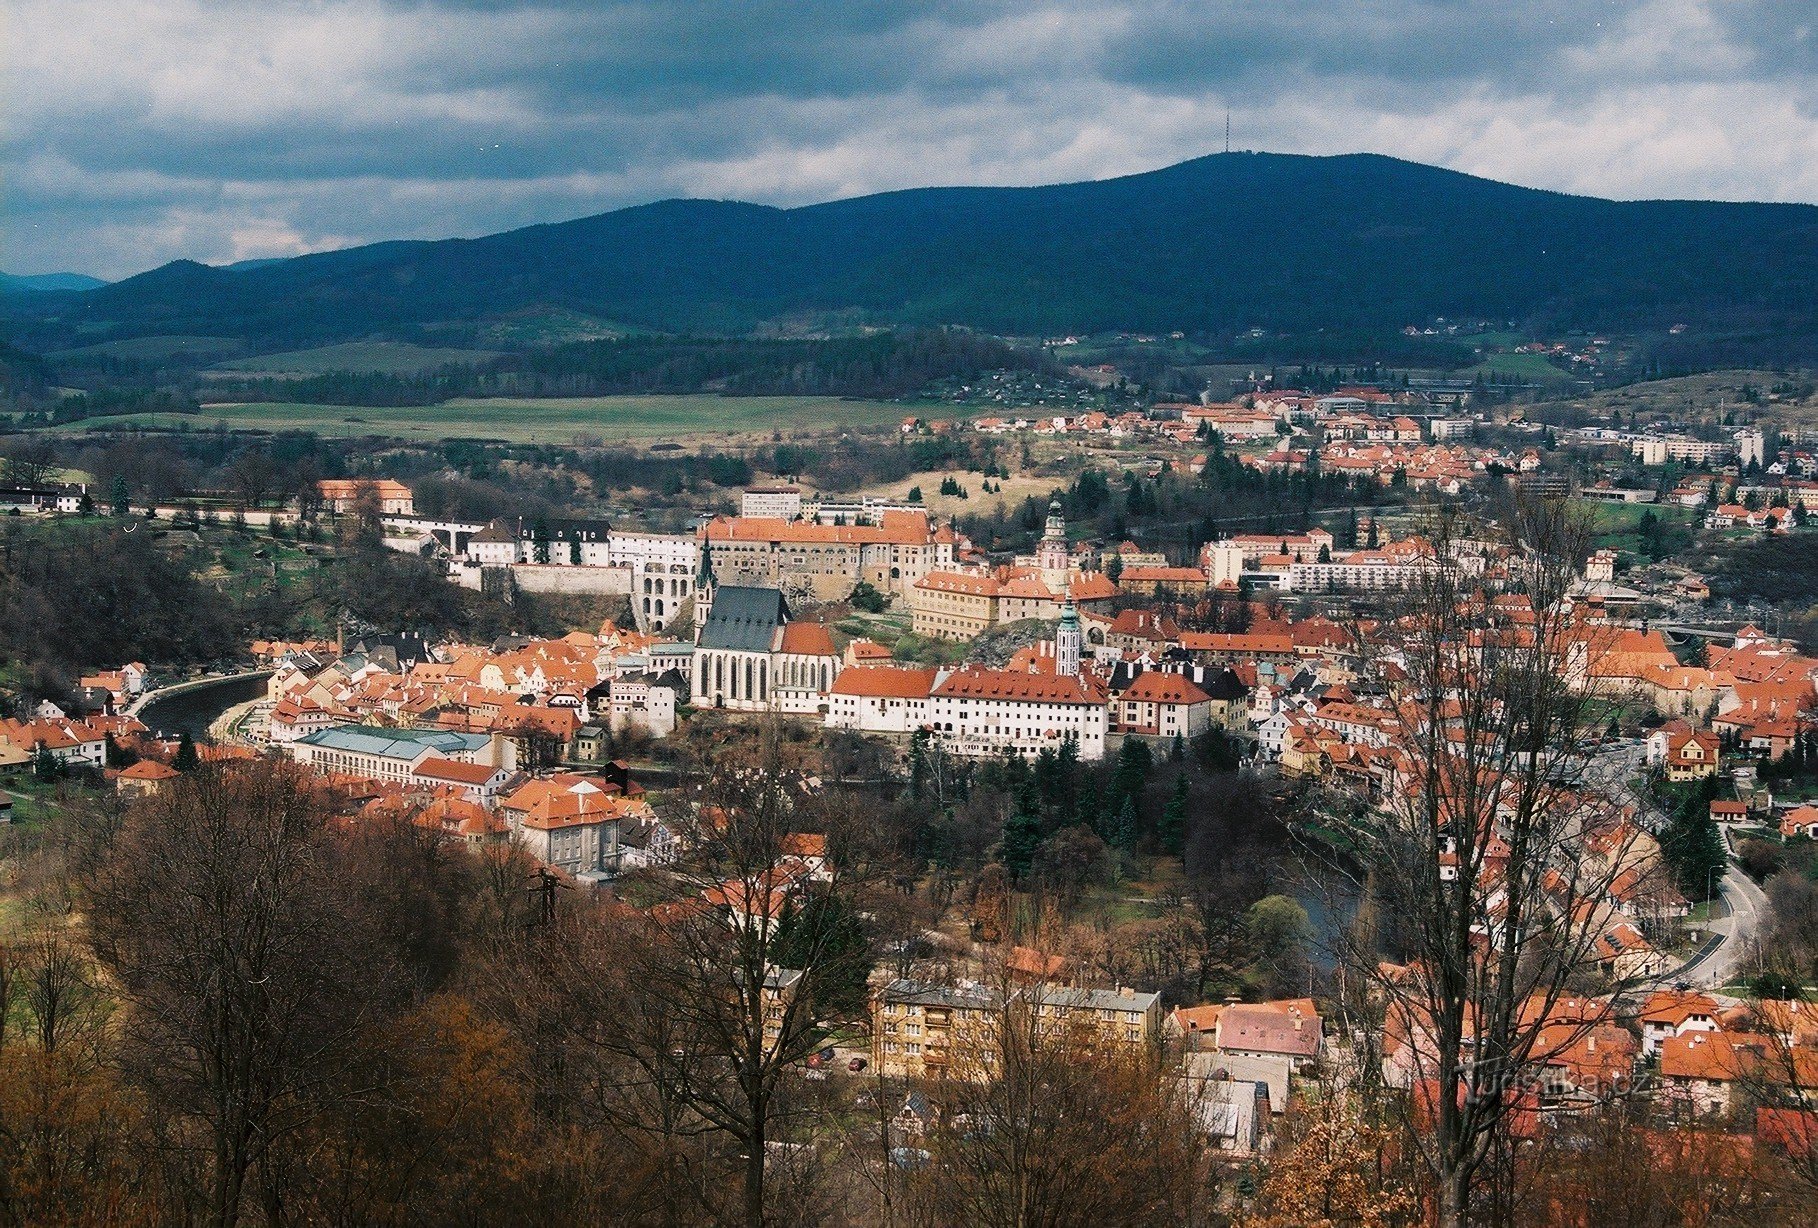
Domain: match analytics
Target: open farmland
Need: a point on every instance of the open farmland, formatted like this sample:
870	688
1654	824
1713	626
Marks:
551	420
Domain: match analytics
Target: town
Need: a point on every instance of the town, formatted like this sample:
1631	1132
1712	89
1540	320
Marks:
1282	827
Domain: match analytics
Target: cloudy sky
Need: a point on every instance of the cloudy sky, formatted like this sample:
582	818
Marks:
136	131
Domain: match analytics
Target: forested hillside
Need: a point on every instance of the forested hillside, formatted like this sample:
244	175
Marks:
1217	245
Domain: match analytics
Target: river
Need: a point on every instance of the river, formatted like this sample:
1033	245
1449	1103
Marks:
192	711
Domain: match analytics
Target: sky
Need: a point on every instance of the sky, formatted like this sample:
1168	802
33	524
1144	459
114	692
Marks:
133	132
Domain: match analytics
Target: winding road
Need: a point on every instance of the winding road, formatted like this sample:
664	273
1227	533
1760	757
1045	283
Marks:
1745	904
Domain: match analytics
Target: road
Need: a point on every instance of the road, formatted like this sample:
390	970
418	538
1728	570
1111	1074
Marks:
1748	909
1745	903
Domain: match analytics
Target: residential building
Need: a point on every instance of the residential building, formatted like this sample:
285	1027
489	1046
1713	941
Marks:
340	495
1162	704
771	503
384	754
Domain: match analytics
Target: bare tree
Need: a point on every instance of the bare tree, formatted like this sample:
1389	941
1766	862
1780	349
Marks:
1044	1118
237	929
1491	850
689	1017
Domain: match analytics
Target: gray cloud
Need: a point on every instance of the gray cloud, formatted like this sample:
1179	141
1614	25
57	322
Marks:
137	131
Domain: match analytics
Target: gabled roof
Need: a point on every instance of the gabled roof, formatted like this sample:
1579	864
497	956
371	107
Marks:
1160	687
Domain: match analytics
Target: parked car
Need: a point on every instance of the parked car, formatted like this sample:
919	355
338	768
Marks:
857	1064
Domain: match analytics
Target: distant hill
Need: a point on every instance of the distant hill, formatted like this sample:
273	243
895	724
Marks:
31	283
1216	245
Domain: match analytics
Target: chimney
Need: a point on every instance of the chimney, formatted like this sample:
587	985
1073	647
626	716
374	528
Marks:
1590	1044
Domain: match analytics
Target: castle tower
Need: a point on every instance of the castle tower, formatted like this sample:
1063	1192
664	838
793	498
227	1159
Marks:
1051	554
1068	639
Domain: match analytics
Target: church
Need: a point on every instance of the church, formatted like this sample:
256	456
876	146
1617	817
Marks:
751	656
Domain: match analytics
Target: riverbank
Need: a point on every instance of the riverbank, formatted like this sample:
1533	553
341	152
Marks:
194	706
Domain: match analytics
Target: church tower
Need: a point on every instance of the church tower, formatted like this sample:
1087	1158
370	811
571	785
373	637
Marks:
703	591
1068	640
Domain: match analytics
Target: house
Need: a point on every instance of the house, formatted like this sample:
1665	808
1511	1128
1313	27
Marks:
1800	821
1195	1027
1668	1013
1233	1112
881	699
341	495
146	778
1728	811
1161	704
577	830
478	783
1290	1028
73	744
1700	1071
1622	951
1682	752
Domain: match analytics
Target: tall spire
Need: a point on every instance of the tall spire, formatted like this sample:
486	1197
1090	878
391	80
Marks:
703	590
1068	642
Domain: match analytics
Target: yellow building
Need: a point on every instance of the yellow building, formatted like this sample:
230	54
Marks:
922	1031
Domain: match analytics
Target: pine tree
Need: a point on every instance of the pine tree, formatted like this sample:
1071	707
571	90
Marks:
187	760
1123	827
1173	827
1022	833
121	496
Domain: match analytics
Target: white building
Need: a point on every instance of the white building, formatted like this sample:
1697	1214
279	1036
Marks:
662	569
881	698
984	712
395	754
642	704
781	502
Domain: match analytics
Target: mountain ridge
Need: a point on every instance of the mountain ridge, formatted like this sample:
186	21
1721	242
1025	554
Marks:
1212	245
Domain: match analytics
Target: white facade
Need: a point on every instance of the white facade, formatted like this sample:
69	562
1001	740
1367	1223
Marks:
647	706
662	572
969	725
783	502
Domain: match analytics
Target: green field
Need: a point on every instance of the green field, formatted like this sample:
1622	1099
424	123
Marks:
1615	525
390	357
551	420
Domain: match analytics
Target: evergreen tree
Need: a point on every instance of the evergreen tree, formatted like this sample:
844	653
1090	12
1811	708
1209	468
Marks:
918	763
187	760
1123	827
1022	834
45	765
825	934
1134	763
1173	827
1692	846
121	496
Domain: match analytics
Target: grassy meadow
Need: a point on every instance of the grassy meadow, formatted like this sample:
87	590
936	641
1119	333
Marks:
539	420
